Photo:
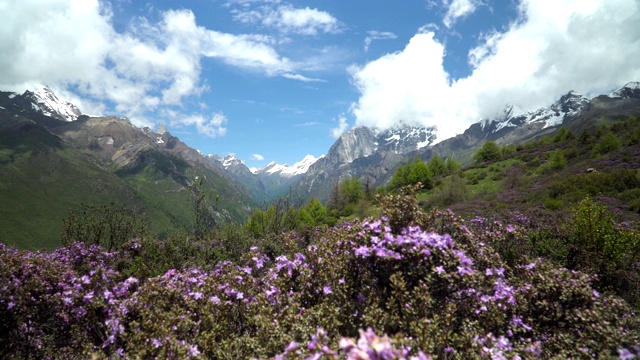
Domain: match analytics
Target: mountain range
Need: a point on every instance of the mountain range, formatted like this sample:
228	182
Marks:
53	158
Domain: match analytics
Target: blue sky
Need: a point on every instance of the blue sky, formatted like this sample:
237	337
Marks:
274	80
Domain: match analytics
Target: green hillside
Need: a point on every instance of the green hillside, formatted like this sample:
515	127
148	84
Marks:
43	177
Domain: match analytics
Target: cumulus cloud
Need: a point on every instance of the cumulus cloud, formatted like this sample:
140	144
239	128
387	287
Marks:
457	9
377	35
288	19
257	157
211	127
141	69
341	128
553	47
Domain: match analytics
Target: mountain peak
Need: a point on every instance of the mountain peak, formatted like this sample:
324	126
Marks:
628	91
43	100
298	168
231	160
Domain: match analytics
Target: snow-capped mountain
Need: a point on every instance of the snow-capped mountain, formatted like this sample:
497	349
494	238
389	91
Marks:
404	139
568	106
265	183
630	90
43	100
372	155
298	168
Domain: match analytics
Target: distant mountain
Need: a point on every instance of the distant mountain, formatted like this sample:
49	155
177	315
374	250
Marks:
365	153
53	158
267	183
373	156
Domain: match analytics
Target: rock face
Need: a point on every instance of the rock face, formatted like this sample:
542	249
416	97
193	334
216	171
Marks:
365	153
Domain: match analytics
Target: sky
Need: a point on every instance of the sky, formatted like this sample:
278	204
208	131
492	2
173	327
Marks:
275	80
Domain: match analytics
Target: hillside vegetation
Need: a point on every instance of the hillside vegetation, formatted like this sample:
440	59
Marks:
543	263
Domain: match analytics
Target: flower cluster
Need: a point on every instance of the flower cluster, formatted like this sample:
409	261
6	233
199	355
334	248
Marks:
436	288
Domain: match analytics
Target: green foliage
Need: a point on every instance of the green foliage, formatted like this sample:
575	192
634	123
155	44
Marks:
597	246
451	191
437	166
610	183
203	216
607	143
416	171
562	135
108	226
453	166
345	196
508	149
490	151
555	162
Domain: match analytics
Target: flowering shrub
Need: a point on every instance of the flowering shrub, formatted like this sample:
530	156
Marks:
436	286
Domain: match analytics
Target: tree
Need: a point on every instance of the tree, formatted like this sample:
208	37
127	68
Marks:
437	166
453	166
202	212
413	172
316	211
490	151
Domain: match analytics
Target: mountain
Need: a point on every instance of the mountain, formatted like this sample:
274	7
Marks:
267	183
365	153
53	158
44	101
373	156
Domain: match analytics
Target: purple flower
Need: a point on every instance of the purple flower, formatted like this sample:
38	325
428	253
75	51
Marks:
440	269
510	228
625	354
193	350
293	346
327	290
156	343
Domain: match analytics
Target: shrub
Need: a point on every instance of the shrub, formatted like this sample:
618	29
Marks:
490	151
108	226
432	284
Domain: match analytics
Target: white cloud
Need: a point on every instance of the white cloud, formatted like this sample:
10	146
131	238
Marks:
458	9
301	78
288	19
554	46
341	128
72	44
257	157
377	35
212	127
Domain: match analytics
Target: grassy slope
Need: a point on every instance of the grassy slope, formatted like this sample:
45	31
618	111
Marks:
38	189
520	180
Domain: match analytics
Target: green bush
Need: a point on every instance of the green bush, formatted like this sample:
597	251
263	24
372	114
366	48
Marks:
108	226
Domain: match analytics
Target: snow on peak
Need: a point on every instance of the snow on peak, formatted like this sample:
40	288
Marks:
298	168
627	91
230	160
49	104
568	105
